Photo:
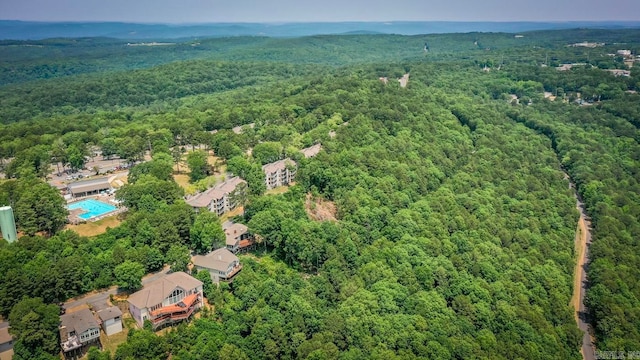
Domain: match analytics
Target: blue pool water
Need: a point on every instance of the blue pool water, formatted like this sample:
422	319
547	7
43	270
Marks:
92	208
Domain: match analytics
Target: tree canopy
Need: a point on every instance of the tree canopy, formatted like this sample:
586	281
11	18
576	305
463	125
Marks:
449	223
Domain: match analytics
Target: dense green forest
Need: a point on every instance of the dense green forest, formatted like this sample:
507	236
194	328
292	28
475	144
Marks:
455	224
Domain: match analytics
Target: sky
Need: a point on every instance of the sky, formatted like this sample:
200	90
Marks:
210	11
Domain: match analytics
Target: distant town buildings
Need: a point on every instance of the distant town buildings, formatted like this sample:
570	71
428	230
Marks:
565	67
625	53
221	198
279	173
166	301
587	44
619	72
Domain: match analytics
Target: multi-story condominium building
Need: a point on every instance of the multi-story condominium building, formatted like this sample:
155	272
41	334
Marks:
221	198
279	173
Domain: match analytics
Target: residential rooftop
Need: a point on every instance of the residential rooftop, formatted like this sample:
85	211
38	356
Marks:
219	260
109	313
5	337
311	151
233	230
79	321
203	199
278	165
155	292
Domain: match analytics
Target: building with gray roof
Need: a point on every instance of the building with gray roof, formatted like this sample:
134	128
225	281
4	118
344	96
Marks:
279	173
88	187
221	198
237	236
222	264
311	151
169	290
110	320
78	330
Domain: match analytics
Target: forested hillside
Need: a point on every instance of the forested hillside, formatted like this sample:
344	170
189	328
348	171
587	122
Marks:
455	223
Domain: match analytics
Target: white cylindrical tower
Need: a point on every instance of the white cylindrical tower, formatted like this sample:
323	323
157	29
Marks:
8	224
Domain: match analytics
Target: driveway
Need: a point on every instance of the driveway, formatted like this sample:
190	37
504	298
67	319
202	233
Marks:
104	294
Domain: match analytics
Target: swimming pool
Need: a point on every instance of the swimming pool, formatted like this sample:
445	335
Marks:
92	208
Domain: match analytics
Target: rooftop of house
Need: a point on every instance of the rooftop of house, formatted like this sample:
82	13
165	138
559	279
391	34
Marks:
153	293
203	199
311	151
239	129
278	165
109	313
5	337
79	321
99	305
219	260
233	231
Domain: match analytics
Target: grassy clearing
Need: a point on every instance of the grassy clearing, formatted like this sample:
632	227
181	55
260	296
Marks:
277	191
110	343
95	228
235	212
182	179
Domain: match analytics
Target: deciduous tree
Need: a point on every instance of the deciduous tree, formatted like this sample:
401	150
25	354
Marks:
129	275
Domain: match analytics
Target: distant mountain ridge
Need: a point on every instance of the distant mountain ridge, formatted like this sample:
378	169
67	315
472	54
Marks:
25	30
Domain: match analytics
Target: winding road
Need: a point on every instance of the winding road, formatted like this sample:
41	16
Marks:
582	242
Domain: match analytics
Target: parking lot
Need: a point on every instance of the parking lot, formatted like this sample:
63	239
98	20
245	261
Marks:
96	167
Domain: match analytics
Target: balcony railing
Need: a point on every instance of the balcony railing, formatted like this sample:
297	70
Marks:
233	272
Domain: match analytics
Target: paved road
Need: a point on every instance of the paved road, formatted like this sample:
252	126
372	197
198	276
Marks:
4	324
104	295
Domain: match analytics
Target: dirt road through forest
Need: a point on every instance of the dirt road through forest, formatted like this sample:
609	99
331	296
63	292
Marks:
582	241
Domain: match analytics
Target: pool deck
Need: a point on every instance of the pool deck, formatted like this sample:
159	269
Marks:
74	215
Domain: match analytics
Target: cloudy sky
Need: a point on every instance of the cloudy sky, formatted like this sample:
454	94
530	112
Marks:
199	11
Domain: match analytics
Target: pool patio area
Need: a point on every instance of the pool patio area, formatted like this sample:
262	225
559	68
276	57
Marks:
92	209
